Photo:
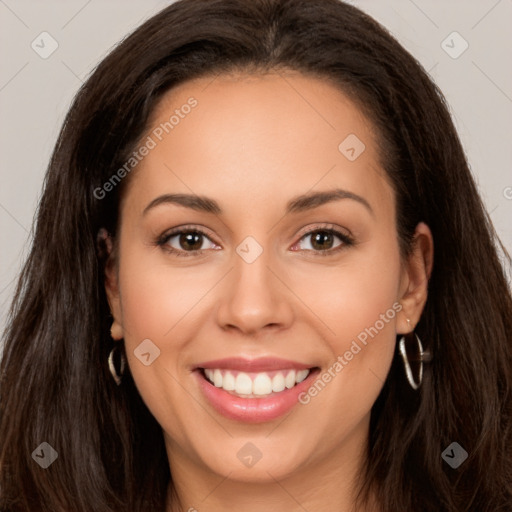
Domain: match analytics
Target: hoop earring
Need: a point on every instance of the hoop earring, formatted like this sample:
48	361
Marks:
423	356
111	366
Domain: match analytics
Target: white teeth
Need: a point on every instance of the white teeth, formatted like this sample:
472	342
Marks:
228	382
301	375
243	384
262	384
256	384
289	380
278	383
217	378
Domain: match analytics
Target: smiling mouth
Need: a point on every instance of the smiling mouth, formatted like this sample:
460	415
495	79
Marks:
255	384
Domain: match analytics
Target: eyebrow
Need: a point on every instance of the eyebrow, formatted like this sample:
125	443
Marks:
296	205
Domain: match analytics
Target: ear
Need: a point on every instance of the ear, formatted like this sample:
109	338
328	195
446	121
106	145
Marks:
106	253
415	277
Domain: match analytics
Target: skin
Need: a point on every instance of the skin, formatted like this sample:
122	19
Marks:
252	144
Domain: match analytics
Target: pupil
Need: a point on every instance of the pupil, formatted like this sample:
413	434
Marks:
191	241
320	240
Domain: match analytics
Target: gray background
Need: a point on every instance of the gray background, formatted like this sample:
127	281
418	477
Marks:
35	93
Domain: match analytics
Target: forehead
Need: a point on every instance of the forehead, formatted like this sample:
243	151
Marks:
259	135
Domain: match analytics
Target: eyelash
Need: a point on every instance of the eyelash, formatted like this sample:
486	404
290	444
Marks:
346	240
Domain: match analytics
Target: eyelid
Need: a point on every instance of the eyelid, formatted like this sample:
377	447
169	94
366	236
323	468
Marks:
187	228
324	226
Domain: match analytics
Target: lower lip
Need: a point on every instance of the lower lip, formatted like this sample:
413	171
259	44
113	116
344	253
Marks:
253	410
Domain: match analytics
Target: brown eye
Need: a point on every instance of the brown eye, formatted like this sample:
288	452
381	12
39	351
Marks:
322	240
190	241
185	242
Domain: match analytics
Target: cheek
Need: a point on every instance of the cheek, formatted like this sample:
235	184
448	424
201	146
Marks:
357	303
166	304
156	297
360	307
158	305
351	296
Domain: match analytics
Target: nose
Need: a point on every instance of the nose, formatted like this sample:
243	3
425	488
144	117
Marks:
254	296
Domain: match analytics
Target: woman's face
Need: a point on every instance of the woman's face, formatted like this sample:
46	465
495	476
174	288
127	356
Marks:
261	353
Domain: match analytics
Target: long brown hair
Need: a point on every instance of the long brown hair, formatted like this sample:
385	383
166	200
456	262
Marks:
55	383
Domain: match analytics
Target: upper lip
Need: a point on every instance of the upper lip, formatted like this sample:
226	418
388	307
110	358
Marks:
261	364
